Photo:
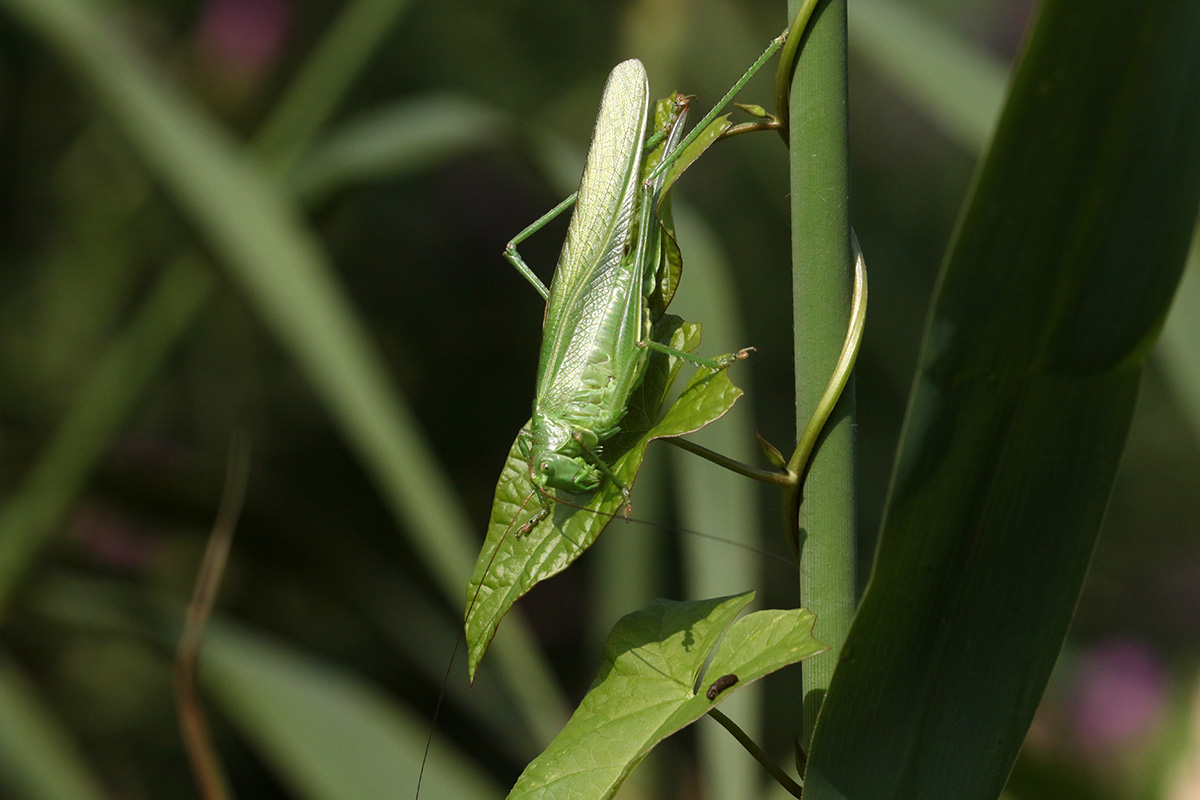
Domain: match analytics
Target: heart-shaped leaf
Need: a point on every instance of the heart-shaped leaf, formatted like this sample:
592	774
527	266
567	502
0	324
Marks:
650	686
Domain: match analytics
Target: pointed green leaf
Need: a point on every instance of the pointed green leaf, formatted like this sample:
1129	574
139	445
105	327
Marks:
1053	294
754	110
670	259
509	564
395	140
650	686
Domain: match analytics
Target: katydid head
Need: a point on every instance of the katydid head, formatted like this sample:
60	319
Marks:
555	460
549	470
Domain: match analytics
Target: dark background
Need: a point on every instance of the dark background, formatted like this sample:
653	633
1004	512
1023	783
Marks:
318	560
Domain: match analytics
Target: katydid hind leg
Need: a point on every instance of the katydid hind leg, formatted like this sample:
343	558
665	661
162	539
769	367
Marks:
653	183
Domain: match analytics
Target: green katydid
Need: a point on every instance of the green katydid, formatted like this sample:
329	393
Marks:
608	351
598	326
605	314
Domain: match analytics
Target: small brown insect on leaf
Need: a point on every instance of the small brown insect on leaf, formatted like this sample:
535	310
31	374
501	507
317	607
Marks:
719	685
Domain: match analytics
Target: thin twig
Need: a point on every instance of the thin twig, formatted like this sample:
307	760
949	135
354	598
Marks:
206	766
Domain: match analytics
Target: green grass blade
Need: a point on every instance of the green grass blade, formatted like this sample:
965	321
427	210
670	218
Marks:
326	732
355	36
396	140
1060	276
261	237
29	517
32	515
37	759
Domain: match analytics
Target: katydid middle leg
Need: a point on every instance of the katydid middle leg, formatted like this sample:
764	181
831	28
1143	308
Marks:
514	258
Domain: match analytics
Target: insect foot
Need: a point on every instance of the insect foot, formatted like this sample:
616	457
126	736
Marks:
740	355
626	509
533	521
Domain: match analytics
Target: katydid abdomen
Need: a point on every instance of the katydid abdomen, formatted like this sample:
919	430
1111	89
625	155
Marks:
598	322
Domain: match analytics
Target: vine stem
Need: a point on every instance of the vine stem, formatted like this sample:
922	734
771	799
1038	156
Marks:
760	755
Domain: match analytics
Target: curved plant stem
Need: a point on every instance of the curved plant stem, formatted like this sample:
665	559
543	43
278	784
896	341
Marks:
797	466
765	475
787	63
781	777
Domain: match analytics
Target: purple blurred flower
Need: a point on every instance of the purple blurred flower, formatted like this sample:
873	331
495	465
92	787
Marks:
1120	694
244	36
112	538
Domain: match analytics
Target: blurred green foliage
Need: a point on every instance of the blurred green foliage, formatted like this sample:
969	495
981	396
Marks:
133	346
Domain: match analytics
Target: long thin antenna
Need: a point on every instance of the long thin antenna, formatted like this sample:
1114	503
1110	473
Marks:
458	640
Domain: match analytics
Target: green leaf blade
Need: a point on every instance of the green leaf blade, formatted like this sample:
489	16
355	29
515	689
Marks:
509	564
1053	294
38	758
646	688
